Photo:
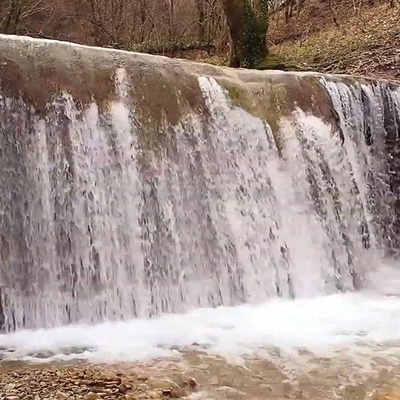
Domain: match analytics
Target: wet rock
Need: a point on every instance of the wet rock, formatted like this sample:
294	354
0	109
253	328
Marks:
188	381
9	387
169	388
141	387
231	393
355	392
382	397
298	394
394	395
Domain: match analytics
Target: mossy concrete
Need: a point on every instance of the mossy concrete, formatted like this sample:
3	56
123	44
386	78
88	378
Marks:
162	91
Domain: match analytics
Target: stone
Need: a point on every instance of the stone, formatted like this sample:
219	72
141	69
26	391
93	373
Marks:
91	396
168	387
81	390
94	383
355	392
61	396
298	394
188	381
378	396
175	392
141	387
153	395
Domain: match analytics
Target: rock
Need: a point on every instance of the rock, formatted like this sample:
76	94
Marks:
142	387
91	396
169	388
298	394
81	390
378	396
153	395
188	381
231	392
175	392
355	392
90	383
123	388
61	396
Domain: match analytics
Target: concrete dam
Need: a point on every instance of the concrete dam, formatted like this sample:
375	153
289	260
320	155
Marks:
134	185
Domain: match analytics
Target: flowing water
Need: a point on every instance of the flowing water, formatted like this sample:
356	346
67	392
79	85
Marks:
133	186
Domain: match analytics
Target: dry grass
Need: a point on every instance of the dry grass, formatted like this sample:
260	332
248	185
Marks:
364	42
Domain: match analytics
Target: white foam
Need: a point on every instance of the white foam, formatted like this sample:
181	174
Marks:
321	325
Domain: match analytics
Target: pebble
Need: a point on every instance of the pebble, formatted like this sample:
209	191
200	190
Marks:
188	381
91	396
89	383
169	388
61	396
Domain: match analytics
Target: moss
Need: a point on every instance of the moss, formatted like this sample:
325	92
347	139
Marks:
254	35
248	23
39	84
162	93
276	106
162	100
271	62
243	98
273	97
268	103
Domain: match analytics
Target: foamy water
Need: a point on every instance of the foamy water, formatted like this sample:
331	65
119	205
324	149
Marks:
365	321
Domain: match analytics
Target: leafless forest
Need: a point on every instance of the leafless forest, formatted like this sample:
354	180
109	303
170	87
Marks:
155	26
199	29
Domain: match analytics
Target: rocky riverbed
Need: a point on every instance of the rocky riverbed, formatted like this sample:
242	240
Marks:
86	382
197	375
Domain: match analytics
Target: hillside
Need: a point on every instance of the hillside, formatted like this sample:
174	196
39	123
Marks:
340	38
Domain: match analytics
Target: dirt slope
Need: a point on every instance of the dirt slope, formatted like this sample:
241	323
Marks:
341	37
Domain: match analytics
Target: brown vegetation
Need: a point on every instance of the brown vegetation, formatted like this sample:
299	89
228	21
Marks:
155	26
352	36
347	36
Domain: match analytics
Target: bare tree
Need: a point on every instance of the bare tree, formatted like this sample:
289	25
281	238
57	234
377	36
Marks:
14	13
201	12
157	26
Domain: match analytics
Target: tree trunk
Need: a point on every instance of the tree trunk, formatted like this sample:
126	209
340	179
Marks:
172	33
248	24
9	24
143	17
200	5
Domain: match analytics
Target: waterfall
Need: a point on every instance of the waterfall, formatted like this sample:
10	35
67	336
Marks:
134	185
